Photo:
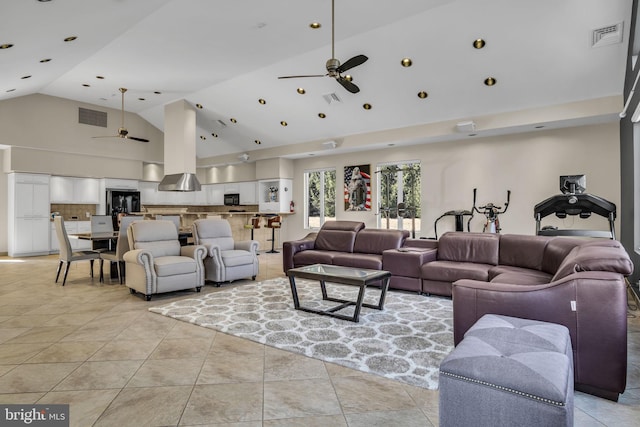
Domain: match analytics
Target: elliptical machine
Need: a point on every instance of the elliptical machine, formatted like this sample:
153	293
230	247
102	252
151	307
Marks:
491	212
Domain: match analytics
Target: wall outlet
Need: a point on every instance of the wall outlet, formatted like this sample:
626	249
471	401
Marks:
88	214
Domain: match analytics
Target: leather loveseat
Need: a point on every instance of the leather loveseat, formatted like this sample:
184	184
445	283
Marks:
345	243
578	283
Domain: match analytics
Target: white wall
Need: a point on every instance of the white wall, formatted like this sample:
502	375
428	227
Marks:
528	164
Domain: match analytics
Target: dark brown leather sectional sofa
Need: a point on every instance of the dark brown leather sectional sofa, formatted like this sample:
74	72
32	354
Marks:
578	283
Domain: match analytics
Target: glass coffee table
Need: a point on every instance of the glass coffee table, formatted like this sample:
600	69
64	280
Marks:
343	275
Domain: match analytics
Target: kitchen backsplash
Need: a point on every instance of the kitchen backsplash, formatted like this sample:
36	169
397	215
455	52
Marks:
69	211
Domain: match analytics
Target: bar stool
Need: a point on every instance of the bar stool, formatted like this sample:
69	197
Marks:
254	223
273	223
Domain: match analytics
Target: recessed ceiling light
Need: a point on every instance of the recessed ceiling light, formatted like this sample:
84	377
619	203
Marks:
70	38
157	92
202	137
490	81
45	60
25	77
322	115
422	94
478	43
100	77
10	90
86	85
406	62
215	135
367	106
301	91
257	141
315	25
283	123
262	101
6	45
233	120
199	106
141	99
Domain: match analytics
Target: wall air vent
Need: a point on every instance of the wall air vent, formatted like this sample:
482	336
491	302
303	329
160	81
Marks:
331	98
92	117
611	34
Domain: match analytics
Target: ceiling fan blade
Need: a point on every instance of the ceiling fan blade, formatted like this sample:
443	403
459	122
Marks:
353	62
136	139
297	77
348	85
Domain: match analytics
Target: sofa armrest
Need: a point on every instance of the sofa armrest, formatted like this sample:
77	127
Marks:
139	256
247	245
290	248
591	304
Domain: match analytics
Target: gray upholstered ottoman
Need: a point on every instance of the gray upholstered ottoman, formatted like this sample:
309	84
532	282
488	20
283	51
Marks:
508	372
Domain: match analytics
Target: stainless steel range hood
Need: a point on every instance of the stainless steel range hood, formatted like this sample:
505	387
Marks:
179	148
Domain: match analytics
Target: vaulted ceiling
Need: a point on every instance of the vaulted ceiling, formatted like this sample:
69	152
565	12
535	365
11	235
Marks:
226	55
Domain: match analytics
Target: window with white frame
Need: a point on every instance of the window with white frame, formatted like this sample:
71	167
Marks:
399	196
320	197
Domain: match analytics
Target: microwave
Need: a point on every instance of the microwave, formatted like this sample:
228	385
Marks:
232	199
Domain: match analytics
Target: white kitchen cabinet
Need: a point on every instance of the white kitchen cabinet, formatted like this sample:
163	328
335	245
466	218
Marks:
61	189
201	196
86	191
120	184
215	194
28	214
248	193
148	193
232	188
274	195
65	189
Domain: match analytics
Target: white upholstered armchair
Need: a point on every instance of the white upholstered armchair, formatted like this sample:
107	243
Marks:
157	263
226	259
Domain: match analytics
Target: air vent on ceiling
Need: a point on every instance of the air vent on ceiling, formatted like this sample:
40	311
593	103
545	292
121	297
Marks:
221	123
611	34
92	117
331	98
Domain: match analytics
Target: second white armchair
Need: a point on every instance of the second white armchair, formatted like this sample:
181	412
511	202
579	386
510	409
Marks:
226	260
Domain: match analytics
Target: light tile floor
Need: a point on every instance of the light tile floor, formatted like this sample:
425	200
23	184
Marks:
97	347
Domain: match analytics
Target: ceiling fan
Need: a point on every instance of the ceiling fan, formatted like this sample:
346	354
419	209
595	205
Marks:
122	131
334	68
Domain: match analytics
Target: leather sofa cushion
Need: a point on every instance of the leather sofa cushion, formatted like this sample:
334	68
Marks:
174	265
522	250
529	277
335	240
481	248
596	256
556	251
375	241
450	271
513	270
371	261
312	256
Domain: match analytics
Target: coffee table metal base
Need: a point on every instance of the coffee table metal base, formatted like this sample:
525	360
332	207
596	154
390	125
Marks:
332	311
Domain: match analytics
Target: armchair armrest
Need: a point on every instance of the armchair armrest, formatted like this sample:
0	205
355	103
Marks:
139	256
194	251
290	248
247	245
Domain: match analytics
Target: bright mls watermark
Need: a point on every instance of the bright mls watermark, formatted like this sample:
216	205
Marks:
34	415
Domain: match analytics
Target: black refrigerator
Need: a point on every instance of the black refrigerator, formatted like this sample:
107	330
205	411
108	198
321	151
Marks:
122	201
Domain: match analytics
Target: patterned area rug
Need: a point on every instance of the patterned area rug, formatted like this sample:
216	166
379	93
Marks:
406	342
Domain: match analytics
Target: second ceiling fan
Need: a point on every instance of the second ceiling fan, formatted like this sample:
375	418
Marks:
334	68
